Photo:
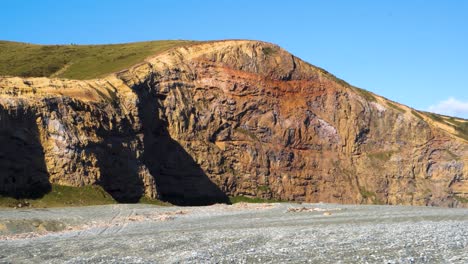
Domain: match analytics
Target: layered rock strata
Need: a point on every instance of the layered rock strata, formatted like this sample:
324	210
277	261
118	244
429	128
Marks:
198	123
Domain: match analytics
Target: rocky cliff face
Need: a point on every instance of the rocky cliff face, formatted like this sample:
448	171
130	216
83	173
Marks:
198	123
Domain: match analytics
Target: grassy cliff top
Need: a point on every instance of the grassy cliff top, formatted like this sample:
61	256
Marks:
76	61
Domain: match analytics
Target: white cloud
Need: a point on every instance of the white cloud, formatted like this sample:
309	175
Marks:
451	107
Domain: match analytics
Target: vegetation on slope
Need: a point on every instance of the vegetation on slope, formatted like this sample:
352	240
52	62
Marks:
75	61
460	125
365	94
396	107
61	196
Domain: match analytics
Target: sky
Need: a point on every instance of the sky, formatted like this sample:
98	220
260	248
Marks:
413	52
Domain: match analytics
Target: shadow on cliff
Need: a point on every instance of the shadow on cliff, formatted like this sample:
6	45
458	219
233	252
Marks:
116	158
179	179
115	154
23	172
119	170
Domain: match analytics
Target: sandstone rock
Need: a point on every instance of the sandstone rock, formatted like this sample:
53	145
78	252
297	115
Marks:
195	124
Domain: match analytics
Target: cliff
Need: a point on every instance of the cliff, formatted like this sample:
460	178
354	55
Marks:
197	123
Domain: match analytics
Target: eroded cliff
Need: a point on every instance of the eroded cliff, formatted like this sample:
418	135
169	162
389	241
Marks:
197	123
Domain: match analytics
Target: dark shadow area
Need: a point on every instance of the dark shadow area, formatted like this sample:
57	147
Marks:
179	179
115	154
23	172
119	170
116	158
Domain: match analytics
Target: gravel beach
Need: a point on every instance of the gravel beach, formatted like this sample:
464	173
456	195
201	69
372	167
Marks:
240	233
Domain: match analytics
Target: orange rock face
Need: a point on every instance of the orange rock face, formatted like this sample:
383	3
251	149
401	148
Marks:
198	123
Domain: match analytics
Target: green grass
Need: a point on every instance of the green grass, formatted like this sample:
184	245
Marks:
244	199
65	196
463	131
366	94
417	114
461	127
396	107
61	196
76	61
435	117
460	199
263	188
370	195
268	51
382	156
365	193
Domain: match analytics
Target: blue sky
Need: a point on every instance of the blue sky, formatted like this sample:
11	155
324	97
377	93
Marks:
413	52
